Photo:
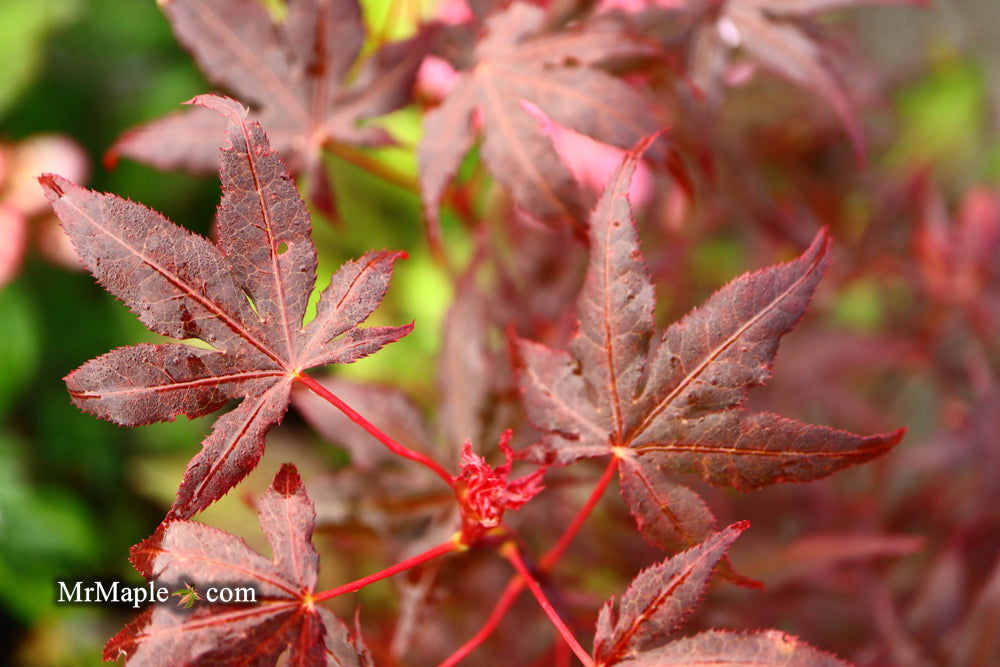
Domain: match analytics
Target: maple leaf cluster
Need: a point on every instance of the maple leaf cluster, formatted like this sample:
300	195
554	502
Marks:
552	347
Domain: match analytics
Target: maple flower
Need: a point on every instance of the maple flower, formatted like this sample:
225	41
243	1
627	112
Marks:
484	492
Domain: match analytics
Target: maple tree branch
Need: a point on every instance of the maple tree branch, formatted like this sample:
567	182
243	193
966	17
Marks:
510	551
517	584
393	446
420	559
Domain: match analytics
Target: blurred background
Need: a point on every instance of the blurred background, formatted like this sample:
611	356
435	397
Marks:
76	492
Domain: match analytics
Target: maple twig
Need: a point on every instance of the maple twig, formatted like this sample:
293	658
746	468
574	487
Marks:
507	598
510	551
552	556
393	446
516	585
429	555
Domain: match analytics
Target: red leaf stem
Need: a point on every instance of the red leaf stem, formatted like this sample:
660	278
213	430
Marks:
511	553
507	598
552	556
393	446
402	566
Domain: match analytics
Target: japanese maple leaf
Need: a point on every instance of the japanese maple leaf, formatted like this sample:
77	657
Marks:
672	401
246	297
295	75
514	62
632	631
958	258
283	620
770	32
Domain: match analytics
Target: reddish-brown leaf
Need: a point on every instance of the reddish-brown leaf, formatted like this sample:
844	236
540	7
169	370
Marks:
767	31
517	61
659	599
293	73
764	648
284	619
466	373
246	297
667	514
672	401
633	630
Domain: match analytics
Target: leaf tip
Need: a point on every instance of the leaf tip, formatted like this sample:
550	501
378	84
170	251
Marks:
143	554
53	185
822	241
227	107
740	526
287	482
894	437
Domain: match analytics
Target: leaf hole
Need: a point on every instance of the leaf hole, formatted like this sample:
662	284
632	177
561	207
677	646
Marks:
282	248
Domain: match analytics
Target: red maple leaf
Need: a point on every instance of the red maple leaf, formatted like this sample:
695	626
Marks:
770	32
633	630
517	61
245	296
294	73
283	620
673	401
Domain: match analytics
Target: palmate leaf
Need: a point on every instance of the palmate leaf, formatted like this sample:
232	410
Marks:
294	73
284	619
516	62
767	31
671	402
763	648
245	296
633	630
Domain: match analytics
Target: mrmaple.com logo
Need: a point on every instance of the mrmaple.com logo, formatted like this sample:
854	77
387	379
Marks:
115	592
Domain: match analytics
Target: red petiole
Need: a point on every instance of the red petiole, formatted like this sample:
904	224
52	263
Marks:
431	554
379	435
510	551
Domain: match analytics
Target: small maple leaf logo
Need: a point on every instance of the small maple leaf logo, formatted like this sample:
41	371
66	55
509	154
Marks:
188	596
484	492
